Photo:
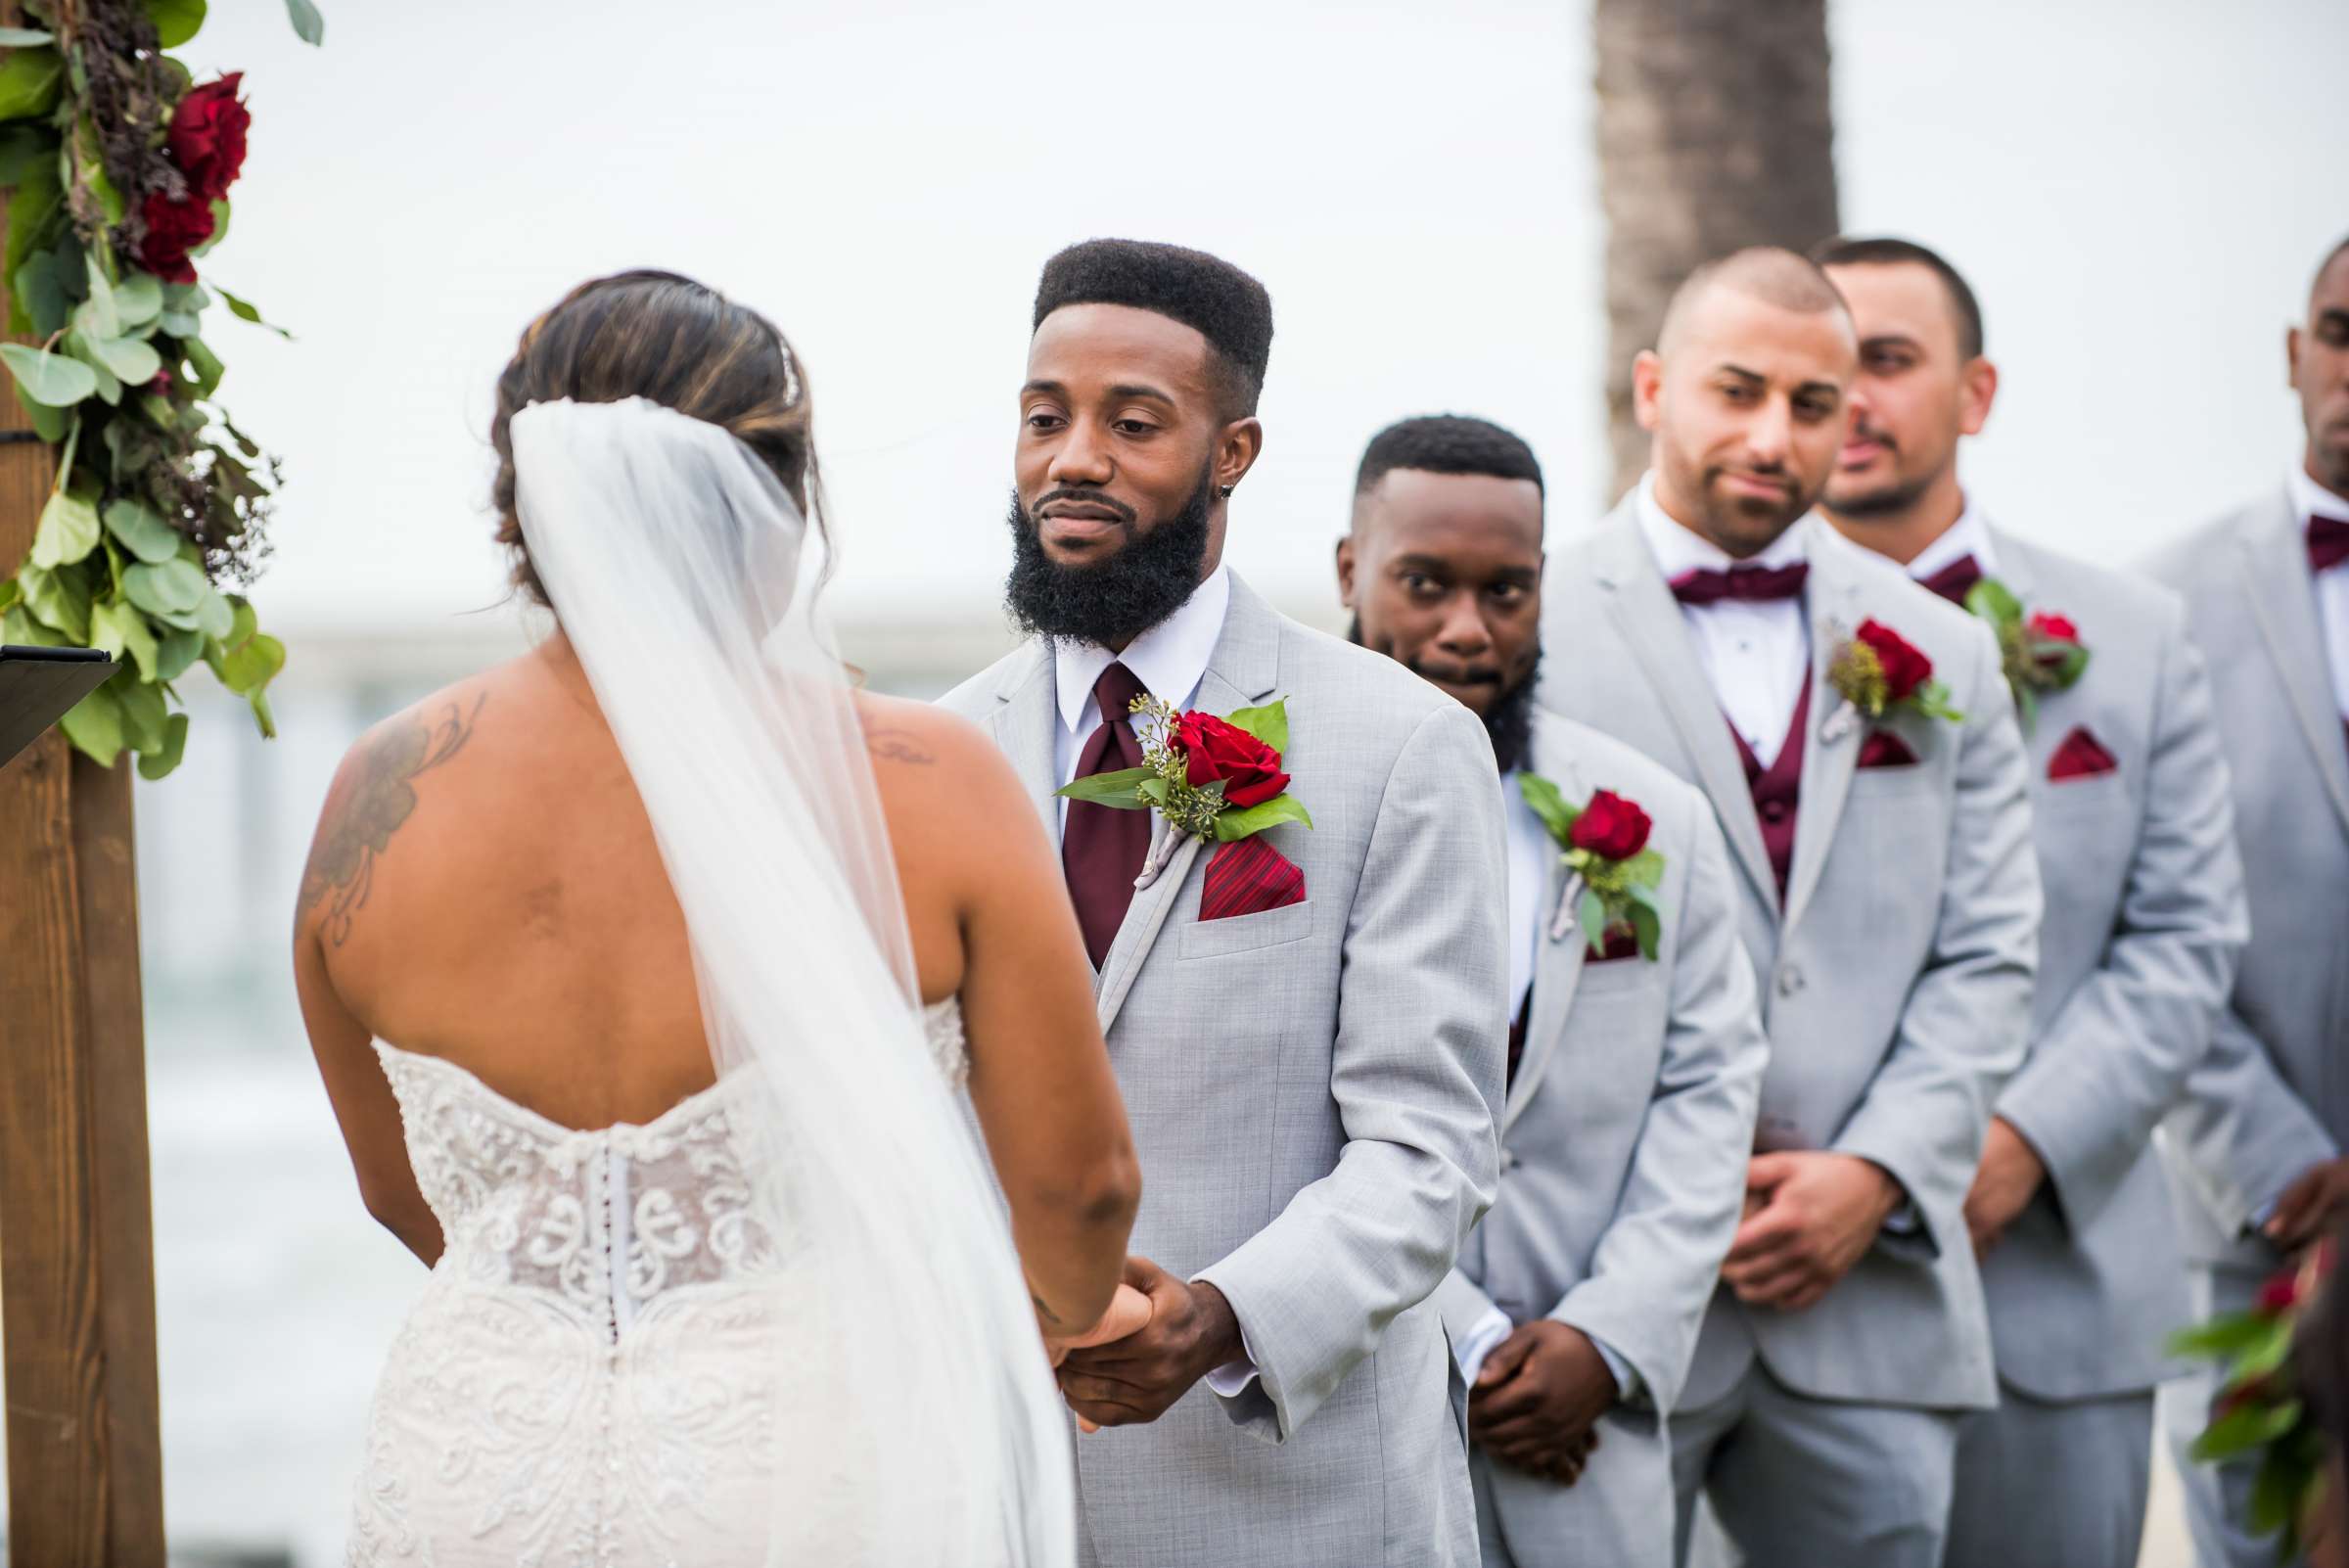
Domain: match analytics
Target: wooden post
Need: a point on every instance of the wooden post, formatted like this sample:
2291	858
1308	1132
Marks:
76	1225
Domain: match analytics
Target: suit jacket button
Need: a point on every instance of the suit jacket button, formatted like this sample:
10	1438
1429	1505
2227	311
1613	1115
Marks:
1509	1160
1790	981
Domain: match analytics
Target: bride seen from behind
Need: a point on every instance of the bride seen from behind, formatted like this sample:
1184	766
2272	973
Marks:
638	970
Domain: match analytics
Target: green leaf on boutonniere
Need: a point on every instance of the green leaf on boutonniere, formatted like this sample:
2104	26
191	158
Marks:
1647	921
1121	788
1644	870
1994	601
1268	724
2063	662
1549	804
1932	699
1592	915
1234	825
1154	789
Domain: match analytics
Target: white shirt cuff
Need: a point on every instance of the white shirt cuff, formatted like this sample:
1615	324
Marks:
1904	1221
1480	1342
1231	1379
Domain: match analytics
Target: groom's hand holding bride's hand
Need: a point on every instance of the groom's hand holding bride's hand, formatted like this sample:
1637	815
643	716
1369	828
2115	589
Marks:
1191	1331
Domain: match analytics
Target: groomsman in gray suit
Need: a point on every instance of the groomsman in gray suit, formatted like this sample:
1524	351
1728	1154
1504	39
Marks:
2145	921
1308	1025
1889	900
1633	1080
2257	1146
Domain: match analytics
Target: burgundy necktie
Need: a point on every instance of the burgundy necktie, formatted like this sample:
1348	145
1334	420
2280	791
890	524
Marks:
1752	584
1102	847
1955	580
2327	543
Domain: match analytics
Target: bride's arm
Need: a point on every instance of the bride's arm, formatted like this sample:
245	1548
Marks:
969	844
355	1085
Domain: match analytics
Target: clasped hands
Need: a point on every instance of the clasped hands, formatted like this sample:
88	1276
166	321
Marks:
1159	1336
1810	1215
1536	1400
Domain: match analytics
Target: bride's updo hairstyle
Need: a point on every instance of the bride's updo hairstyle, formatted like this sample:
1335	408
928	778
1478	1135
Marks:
668	339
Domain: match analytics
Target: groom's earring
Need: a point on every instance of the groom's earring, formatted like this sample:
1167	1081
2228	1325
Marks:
1223	492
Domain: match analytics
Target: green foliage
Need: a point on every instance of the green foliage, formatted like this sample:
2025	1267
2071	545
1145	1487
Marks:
309	26
176	20
1268	724
30	80
1235	825
1121	787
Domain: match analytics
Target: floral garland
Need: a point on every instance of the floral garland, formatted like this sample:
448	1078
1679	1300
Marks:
2260	1414
120	166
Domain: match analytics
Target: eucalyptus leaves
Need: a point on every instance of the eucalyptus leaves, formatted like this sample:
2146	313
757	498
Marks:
118	166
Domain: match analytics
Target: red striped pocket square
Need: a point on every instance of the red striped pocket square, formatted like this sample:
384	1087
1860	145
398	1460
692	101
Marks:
1884	749
2081	755
1248	876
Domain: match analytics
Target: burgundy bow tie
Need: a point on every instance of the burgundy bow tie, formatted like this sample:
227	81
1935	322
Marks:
1955	580
2327	543
1751	583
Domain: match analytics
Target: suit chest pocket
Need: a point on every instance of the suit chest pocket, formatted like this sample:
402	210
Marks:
1271	928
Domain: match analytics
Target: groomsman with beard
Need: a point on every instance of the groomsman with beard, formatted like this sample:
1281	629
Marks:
1855	737
2145	920
1308	1025
2258	1142
1632	1078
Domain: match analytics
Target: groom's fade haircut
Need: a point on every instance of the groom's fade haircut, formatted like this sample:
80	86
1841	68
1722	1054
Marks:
1765	272
1444	444
1207	294
1882	251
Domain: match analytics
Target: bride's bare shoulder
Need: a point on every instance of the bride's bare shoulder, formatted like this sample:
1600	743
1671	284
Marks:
926	758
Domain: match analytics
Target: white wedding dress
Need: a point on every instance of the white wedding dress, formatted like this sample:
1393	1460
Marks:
590	1378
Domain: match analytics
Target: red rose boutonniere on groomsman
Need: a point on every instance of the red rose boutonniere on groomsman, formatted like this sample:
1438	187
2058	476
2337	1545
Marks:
1611	874
1217	780
2039	651
1876	671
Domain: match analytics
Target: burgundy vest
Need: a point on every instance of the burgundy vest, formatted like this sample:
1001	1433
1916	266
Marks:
1778	789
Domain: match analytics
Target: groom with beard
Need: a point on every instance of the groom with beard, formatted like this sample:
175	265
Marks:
1308	1025
1633	1077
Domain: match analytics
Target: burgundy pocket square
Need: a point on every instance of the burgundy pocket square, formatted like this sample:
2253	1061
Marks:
2081	755
1620	944
1884	749
1248	876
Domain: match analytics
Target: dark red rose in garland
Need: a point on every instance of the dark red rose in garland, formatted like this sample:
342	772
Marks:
1216	749
1611	827
173	229
207	137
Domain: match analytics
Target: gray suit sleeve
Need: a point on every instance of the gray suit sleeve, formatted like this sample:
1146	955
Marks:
1654	1269
1415	1069
2112	1061
1968	1014
2241	1136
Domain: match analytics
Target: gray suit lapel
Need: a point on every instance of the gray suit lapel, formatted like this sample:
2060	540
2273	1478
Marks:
2284	603
1832	599
1240	674
1558	965
1028	730
1649	620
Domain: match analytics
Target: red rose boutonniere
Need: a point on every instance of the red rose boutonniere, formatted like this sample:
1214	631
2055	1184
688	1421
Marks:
1611	874
1218	780
1876	670
2259	1413
2041	651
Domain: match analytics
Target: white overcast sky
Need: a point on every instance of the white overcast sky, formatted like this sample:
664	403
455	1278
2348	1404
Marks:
2138	190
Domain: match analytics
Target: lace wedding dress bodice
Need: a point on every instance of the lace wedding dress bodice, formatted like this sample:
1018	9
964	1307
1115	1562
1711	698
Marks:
590	1377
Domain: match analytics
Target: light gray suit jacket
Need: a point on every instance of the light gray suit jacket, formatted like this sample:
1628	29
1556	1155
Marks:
2271	1097
1314	1092
1896	979
1625	1133
2145	920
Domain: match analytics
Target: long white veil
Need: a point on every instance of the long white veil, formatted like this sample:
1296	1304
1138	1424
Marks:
672	556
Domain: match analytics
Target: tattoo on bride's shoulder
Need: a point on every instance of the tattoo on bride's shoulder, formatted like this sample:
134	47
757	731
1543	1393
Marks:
892	744
371	801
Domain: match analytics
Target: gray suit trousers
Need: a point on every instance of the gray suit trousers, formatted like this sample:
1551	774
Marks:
2218	1498
1619	1512
2052	1486
1804	1483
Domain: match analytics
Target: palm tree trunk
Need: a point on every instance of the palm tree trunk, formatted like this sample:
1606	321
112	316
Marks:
1715	132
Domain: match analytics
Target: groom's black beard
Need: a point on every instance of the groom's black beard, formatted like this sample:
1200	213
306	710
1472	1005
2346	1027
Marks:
1509	722
1113	601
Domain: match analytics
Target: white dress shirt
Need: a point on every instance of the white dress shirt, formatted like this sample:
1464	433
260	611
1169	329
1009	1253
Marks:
1969	536
2310	500
1168	659
1756	656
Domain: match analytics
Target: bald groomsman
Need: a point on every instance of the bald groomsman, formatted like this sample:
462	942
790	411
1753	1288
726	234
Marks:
1890	902
2145	921
2259	1139
1632	1080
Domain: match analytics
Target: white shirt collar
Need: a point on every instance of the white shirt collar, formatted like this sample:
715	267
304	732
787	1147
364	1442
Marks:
2310	500
1168	659
1679	549
1969	536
